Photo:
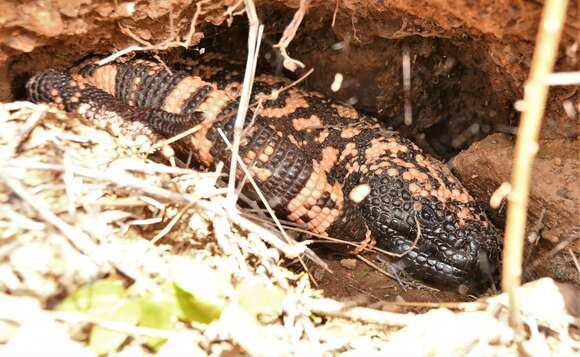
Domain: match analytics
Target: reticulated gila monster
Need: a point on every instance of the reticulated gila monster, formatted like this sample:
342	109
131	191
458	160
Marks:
317	162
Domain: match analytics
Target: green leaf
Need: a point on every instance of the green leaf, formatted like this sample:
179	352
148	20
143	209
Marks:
200	292
105	300
192	308
103	340
95	298
260	298
157	313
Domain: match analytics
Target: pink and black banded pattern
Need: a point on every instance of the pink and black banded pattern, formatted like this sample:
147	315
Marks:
310	157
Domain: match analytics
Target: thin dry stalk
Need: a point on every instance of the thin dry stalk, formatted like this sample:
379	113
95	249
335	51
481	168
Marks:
276	92
145	221
359	247
404	284
162	233
378	268
406	61
288	35
463	306
254	39
177	137
334	308
336	6
193	23
563	79
535	95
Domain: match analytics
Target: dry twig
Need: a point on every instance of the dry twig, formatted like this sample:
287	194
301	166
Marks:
406	61
331	307
563	79
336	6
535	95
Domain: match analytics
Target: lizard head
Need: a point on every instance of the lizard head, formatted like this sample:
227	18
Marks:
417	207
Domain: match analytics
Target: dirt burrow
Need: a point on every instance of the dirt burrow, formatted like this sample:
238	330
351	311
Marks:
469	61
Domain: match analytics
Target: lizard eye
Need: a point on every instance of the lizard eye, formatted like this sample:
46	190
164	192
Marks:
427	215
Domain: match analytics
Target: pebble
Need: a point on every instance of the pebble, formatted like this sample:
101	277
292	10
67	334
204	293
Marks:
348	263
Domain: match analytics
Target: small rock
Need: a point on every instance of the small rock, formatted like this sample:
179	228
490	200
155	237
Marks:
348	263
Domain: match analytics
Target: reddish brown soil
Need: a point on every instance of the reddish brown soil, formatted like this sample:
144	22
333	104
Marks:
365	282
469	62
554	196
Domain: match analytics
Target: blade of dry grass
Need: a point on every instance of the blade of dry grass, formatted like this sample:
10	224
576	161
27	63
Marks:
254	40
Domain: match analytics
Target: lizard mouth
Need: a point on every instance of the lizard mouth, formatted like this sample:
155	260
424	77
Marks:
442	264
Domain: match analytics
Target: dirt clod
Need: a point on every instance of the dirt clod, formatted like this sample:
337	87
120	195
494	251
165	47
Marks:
348	263
554	197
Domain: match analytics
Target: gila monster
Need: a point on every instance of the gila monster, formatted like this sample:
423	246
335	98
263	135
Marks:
318	163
